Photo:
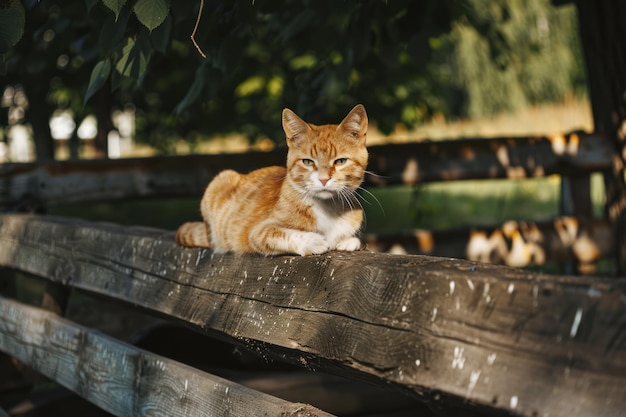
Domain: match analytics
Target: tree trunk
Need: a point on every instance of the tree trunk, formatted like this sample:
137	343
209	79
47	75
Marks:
40	121
103	99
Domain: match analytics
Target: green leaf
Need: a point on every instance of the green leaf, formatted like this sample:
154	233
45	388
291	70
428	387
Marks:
194	91
11	25
151	13
112	31
99	75
123	64
161	36
135	57
143	50
115	6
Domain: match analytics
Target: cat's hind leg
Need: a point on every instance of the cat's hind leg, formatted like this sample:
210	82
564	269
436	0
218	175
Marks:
193	234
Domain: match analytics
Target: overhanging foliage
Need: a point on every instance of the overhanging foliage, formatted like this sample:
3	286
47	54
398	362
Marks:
404	60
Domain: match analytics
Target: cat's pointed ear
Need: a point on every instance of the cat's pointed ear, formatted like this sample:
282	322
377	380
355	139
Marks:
355	123
295	128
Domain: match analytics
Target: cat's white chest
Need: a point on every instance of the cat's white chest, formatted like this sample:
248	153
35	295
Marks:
334	227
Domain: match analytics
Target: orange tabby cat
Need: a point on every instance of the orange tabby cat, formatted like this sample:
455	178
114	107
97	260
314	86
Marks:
308	207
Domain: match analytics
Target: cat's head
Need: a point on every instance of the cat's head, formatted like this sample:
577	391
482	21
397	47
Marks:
324	160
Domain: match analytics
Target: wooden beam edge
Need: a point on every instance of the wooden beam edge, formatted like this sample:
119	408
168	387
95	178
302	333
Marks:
122	379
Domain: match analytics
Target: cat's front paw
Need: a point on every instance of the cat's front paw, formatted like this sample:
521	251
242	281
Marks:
308	243
349	244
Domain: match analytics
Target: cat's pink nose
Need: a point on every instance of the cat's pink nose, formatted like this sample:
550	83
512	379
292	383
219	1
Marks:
324	181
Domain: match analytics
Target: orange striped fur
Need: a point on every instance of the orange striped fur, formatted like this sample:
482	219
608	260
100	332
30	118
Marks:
308	207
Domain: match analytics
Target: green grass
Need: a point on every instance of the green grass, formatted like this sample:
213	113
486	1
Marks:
439	206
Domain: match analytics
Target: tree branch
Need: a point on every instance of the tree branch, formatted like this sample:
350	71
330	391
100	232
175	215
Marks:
195	29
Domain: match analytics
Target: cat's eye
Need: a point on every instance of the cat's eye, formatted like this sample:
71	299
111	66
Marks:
341	161
308	162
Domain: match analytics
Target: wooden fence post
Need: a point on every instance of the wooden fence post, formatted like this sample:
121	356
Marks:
576	201
603	35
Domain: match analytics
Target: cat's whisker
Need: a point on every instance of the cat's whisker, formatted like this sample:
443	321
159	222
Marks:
356	196
365	200
371	195
345	199
348	196
373	174
353	196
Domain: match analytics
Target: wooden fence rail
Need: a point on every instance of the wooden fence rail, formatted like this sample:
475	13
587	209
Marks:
51	183
125	380
497	338
122	379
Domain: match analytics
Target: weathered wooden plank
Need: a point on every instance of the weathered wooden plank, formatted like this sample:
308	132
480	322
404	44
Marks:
122	379
495	337
477	158
52	183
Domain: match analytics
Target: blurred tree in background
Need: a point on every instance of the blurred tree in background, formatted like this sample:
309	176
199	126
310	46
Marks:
405	60
507	54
